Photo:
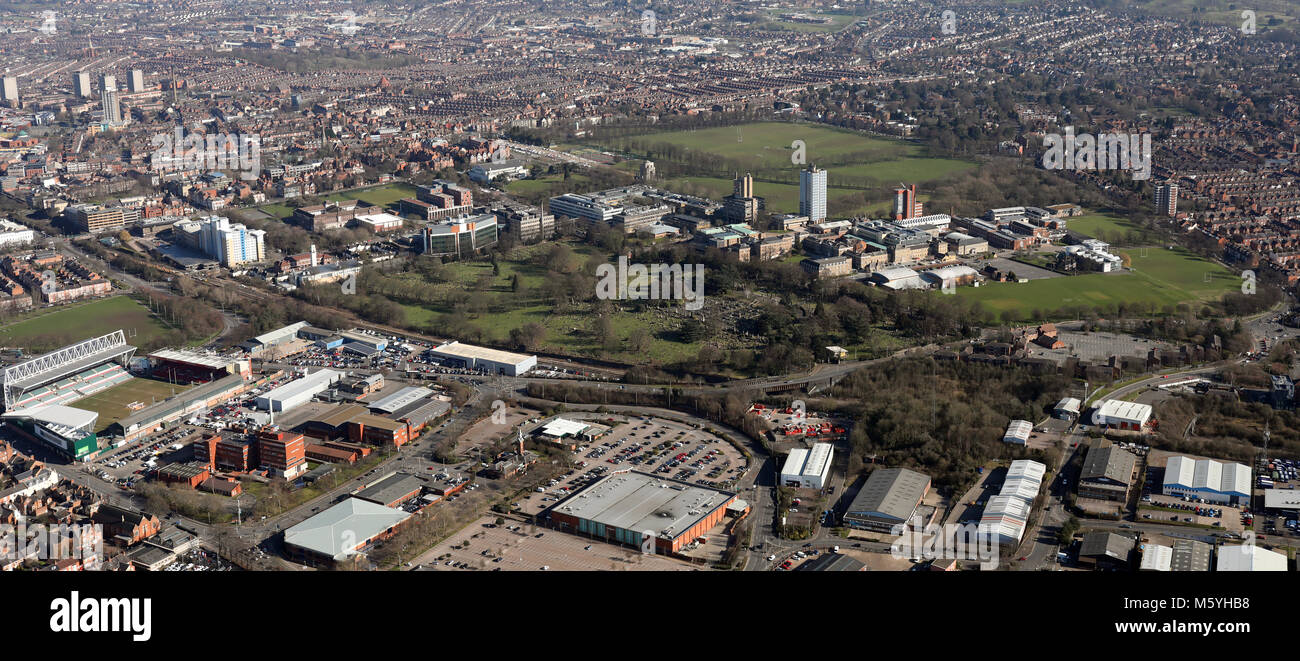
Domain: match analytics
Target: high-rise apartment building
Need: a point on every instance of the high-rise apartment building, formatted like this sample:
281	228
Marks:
812	194
81	84
231	244
112	108
9	91
136	82
1167	199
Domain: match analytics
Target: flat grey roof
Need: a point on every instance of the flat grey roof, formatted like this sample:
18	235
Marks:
639	501
390	488
467	351
400	399
891	492
421	411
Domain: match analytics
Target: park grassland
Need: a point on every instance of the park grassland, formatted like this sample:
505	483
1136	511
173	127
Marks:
380	196
568	331
764	149
385	195
79	321
1159	276
1108	227
765	146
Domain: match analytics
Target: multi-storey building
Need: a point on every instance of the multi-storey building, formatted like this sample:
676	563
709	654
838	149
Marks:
1167	199
281	453
458	237
94	218
812	194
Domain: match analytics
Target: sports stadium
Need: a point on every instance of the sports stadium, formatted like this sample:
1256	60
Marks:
37	391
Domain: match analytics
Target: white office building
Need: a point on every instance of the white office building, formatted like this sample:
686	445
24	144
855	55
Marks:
13	234
572	205
812	194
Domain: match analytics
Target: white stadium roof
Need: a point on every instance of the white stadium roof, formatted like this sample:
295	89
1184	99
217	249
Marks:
65	420
193	358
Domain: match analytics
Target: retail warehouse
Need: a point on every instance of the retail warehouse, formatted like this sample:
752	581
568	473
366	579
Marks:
482	358
624	507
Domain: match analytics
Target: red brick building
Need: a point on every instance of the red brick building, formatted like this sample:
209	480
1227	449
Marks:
281	453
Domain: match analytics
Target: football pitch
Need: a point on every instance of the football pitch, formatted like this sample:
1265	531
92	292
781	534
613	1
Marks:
63	325
1159	276
111	404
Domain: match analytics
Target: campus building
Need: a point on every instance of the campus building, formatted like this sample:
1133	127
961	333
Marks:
460	236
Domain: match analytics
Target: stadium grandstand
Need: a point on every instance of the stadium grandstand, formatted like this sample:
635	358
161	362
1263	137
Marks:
68	374
195	367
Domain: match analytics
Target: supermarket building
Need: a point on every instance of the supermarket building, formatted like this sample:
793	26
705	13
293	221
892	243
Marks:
625	507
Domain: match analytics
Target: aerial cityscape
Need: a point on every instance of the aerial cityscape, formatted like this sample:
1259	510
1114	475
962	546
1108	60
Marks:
978	286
